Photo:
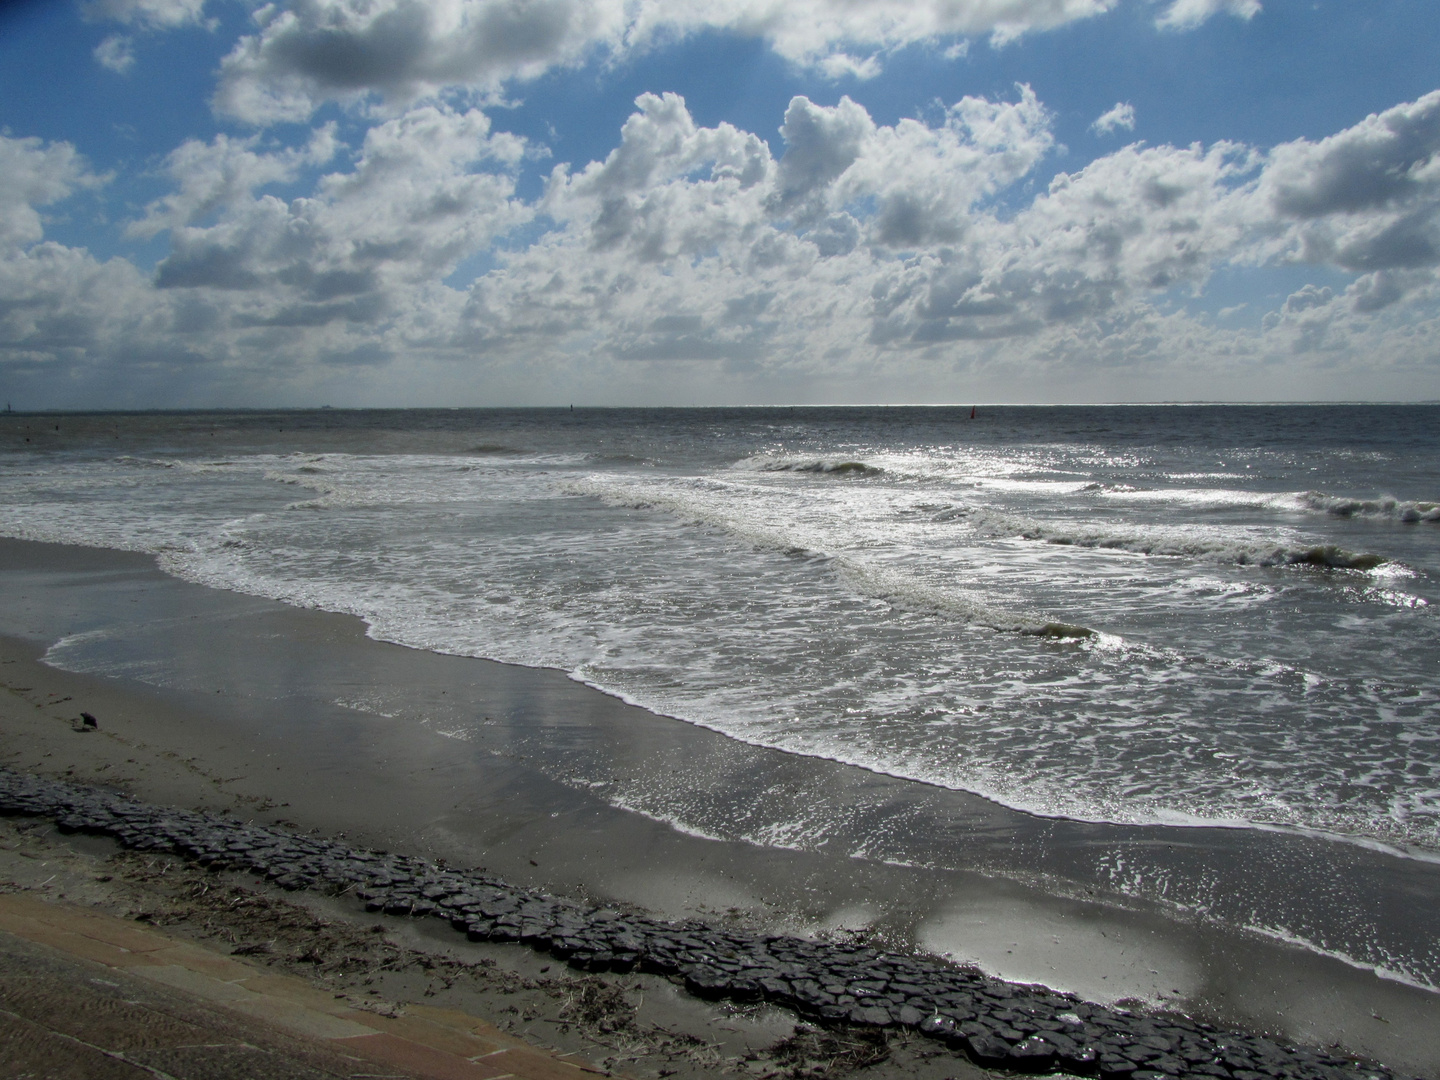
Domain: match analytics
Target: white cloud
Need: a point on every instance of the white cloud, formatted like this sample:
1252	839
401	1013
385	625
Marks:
1188	14
860	233
344	275
1365	199
1388	159
806	31
408	212
1121	116
219	175
116	52
59	307
33	175
1310	296
154	14
812	267
820	144
313	51
839	65
863	258
68	318
924	181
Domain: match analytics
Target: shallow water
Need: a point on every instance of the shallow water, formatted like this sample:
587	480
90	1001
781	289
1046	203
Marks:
1134	616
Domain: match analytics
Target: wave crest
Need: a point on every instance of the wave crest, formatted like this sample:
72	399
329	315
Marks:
893	586
830	466
1386	506
1169	542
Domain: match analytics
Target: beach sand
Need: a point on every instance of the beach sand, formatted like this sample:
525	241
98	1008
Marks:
267	983
209	699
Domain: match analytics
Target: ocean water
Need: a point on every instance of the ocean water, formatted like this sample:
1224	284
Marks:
1176	616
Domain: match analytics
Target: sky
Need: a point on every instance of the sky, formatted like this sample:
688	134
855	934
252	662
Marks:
216	203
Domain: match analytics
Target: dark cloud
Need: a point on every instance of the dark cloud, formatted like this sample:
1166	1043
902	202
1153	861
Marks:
371	354
1374	292
362	310
746	309
329	284
682	347
319	50
836	235
390	52
909	220
938	330
206	265
1384	160
1405	243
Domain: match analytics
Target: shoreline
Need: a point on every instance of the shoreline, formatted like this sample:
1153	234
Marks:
1371	844
240	719
995	1024
304	961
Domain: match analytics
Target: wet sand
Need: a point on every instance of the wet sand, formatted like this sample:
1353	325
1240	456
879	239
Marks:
217	700
269	983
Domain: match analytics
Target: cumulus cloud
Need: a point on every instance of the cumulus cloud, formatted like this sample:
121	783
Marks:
1387	159
1371	292
863	240
408	212
690	243
313	51
1137	222
1367	198
860	232
1121	116
318	50
250	281
218	175
65	315
855	253
820	144
58	305
839	65
1308	297
33	175
642	198
808	31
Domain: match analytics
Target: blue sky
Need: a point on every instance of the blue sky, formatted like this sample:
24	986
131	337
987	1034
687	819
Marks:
206	202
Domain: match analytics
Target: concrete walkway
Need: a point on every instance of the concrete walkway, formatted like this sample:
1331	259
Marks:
88	996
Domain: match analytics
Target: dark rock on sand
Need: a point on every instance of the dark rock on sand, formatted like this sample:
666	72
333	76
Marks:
999	1025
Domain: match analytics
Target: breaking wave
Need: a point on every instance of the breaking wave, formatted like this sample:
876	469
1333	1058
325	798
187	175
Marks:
894	586
765	463
1309	502
1385	507
1174	542
493	448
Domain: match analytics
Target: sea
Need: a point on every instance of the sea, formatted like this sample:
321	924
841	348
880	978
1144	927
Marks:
1182	617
